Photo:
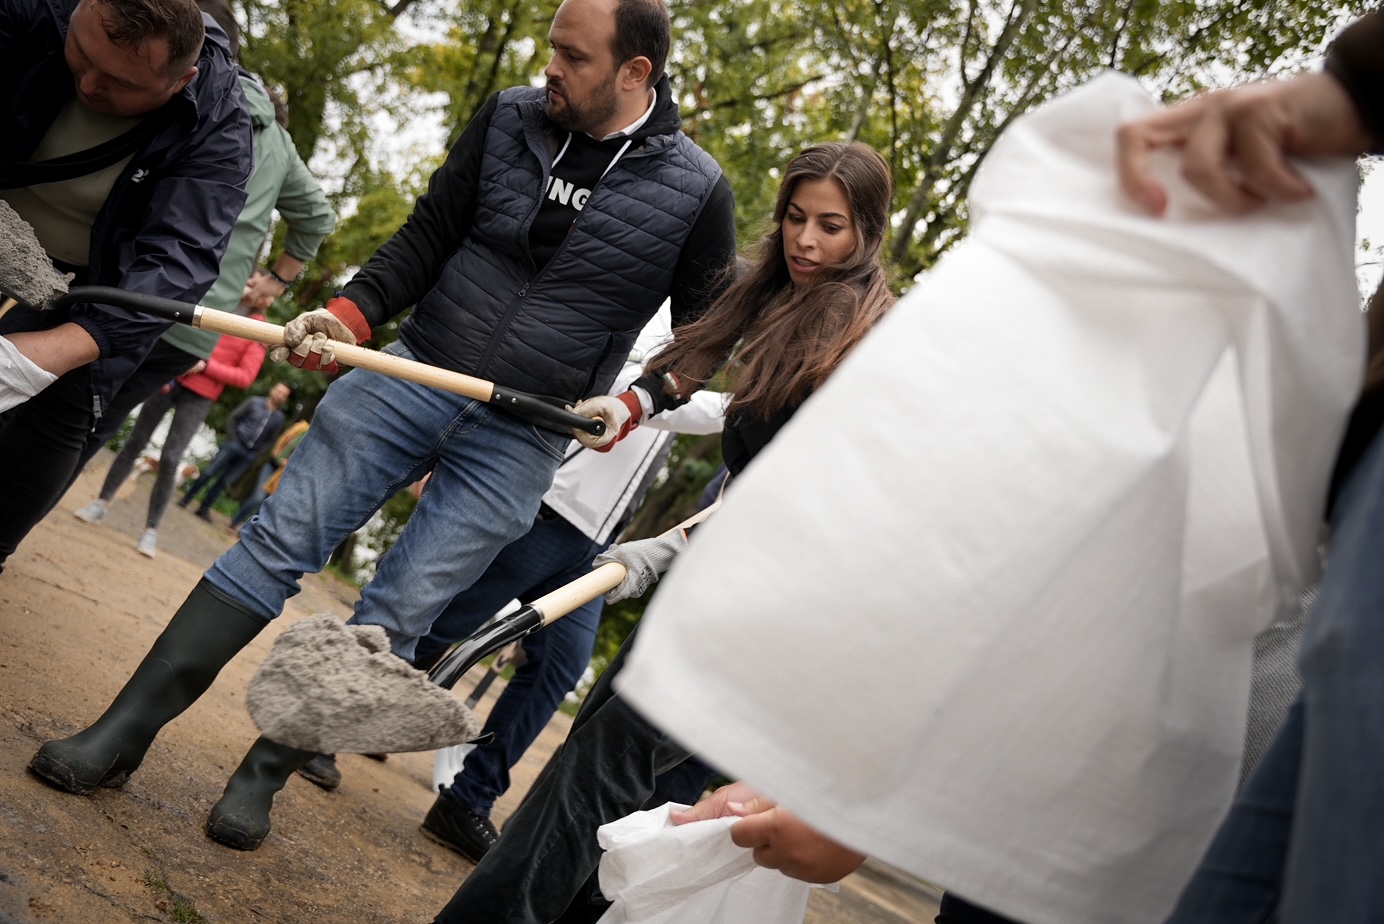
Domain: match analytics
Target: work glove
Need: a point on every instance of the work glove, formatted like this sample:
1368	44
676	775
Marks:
20	377
309	338
621	415
644	561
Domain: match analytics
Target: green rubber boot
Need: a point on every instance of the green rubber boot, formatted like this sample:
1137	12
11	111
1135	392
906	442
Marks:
206	632
241	818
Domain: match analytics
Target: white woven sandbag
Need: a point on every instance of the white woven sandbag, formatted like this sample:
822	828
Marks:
985	608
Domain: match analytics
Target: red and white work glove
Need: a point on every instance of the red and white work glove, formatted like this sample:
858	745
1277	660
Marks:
309	338
621	415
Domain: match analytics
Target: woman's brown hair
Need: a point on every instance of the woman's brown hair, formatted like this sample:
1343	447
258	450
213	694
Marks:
792	337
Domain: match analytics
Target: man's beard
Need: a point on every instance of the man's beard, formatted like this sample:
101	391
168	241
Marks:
586	116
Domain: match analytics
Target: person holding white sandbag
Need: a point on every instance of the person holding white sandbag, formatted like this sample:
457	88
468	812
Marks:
1060	571
1303	840
816	287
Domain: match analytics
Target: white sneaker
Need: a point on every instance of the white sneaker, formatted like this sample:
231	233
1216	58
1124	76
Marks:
149	542
93	512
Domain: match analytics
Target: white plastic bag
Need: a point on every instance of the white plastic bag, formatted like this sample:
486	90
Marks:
656	872
985	608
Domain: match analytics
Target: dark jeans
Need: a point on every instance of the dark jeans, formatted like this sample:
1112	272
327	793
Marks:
251	505
40	444
551	554
1239	881
956	910
163	364
547	858
234	460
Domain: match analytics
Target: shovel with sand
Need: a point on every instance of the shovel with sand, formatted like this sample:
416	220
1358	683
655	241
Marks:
326	686
27	276
333	688
26	273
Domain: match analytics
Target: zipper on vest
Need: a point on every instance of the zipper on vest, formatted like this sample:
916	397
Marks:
513	308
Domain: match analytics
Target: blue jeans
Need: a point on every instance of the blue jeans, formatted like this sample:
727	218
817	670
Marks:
553	553
372	436
1304	836
234	459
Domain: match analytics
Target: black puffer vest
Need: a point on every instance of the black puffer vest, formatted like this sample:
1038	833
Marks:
564	331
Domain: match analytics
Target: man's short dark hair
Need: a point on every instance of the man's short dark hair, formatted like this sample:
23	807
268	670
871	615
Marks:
220	12
131	23
642	27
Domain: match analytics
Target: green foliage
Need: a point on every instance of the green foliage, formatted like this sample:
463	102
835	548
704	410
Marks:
178	907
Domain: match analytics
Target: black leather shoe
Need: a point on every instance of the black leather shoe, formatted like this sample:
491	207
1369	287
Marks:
454	825
322	770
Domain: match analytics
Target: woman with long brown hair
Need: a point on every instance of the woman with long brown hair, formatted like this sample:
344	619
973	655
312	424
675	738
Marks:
815	286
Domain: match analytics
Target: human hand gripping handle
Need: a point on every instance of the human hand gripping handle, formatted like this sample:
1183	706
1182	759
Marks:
621	414
644	560
308	338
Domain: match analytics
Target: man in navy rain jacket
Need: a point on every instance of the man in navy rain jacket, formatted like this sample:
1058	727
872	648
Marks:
82	77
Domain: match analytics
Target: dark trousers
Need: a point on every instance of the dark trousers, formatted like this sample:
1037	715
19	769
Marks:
551	554
955	910
163	364
40	444
234	460
547	858
189	410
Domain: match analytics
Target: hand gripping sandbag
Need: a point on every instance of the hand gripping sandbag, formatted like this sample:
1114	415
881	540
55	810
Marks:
657	873
1086	464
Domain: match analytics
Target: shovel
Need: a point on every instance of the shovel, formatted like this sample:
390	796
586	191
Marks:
542	410
355	697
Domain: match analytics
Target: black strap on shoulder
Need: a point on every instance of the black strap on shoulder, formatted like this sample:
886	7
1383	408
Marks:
83	163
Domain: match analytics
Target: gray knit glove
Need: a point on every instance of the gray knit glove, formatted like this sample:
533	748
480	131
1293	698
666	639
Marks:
644	561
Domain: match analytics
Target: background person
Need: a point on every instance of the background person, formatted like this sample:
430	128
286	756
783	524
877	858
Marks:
273	471
234	363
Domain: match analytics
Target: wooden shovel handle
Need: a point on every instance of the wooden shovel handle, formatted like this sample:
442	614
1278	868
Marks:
549	412
348	354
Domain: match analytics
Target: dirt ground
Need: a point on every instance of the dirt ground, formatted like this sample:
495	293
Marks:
78	609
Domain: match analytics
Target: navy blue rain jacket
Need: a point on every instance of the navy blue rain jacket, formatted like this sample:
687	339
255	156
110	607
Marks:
169	216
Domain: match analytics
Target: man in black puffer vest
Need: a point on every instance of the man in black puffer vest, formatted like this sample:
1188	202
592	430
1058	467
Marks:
560	221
